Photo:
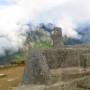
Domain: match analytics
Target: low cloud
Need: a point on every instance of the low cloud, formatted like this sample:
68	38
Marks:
63	13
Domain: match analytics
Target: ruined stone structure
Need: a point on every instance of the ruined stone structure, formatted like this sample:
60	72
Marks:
61	66
57	37
68	57
40	62
36	70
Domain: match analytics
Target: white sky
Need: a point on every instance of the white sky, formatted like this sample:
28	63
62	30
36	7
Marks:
44	11
63	13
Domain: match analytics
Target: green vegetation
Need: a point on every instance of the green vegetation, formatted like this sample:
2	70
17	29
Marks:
22	56
19	57
44	44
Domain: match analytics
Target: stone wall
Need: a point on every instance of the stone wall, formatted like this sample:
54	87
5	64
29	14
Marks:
78	84
41	62
36	69
67	57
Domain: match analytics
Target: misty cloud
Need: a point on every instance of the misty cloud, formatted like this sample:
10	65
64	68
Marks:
63	13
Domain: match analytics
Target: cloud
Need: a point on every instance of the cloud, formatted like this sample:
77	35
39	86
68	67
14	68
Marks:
14	16
11	19
68	26
74	12
67	15
78	9
35	7
64	13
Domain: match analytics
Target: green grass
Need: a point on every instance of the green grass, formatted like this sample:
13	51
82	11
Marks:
42	45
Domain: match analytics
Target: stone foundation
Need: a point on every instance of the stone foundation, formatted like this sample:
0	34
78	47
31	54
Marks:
77	84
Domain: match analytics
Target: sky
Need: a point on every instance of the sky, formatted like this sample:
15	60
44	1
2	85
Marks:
15	14
63	13
7	2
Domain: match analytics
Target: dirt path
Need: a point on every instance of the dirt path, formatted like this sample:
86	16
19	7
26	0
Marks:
12	79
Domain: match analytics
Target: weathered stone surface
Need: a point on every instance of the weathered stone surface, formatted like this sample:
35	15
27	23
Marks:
36	70
57	37
41	62
67	57
84	83
86	60
76	84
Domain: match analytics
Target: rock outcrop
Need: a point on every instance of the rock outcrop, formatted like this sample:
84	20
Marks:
57	37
